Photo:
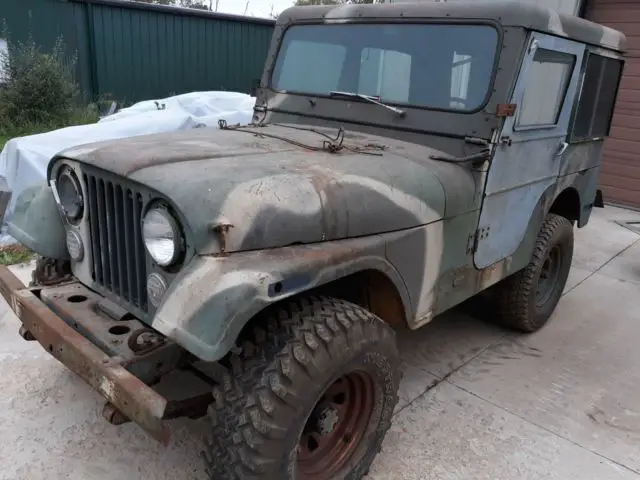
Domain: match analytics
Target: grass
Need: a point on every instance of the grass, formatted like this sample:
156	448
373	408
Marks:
15	254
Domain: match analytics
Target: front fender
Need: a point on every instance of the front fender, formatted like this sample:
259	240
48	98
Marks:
211	301
36	223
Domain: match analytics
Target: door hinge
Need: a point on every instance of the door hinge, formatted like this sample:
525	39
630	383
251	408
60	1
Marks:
506	140
506	109
474	239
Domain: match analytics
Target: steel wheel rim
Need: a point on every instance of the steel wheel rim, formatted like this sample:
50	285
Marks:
337	424
549	274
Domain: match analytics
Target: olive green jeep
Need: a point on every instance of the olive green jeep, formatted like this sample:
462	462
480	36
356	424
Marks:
402	159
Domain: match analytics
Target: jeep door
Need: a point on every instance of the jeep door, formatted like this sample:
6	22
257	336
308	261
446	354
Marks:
532	144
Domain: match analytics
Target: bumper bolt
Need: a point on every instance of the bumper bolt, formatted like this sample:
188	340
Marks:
26	334
113	415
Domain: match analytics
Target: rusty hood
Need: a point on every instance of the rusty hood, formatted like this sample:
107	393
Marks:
281	186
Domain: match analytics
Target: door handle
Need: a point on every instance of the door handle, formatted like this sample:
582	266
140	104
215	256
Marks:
562	148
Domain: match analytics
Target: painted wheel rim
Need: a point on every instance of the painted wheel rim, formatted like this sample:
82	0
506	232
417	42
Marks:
336	426
549	276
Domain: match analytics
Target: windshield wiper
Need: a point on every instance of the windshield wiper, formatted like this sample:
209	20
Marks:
368	98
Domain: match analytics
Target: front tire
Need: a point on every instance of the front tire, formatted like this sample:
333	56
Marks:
311	396
526	300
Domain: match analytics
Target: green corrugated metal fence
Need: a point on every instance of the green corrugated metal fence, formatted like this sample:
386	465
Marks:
130	51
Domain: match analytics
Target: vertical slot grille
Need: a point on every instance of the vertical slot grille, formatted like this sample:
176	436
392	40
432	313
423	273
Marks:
118	262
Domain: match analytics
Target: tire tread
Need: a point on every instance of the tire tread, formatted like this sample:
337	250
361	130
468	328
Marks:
257	386
512	296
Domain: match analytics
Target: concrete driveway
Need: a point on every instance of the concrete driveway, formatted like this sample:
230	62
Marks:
477	402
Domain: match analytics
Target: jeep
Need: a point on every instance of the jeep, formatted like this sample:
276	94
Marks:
402	159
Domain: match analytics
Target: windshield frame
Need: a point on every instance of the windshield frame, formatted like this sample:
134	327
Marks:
403	21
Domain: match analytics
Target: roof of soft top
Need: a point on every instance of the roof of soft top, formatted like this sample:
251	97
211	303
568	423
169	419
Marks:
507	13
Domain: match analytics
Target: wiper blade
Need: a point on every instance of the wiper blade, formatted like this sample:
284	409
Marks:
368	98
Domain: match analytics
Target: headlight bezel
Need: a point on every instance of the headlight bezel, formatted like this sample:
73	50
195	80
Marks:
73	235
74	214
178	239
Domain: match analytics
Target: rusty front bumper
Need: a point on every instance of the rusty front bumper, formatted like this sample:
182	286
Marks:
127	393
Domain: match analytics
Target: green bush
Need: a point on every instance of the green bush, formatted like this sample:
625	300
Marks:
38	92
39	87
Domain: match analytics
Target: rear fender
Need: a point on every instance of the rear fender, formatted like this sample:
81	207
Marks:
584	183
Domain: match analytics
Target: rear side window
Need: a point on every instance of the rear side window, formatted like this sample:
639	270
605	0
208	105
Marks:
598	97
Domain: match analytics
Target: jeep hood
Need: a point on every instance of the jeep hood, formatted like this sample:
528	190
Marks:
275	192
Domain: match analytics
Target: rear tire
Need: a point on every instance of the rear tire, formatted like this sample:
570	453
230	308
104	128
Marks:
310	396
526	300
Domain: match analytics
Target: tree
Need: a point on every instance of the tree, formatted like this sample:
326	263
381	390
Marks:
330	2
199	4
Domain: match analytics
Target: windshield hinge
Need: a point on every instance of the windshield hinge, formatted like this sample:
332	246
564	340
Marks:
477	141
506	140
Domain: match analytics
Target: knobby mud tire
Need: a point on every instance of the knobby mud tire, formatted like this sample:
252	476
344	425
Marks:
270	389
514	299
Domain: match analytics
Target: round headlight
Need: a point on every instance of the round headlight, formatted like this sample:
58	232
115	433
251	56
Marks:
70	193
161	236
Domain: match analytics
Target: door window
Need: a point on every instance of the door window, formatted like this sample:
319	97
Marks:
545	89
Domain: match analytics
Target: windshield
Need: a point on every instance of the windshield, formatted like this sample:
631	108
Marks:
428	65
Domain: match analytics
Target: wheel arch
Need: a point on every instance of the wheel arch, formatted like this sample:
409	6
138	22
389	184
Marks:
370	288
562	199
567	204
219	298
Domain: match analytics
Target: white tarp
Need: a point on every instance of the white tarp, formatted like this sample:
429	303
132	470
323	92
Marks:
24	160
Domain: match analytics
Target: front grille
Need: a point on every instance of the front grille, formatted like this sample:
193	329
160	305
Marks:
118	263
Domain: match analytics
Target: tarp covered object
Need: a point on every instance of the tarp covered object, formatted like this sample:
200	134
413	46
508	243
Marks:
24	160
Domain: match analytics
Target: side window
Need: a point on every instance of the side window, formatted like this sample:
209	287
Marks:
385	74
301	71
598	97
545	88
